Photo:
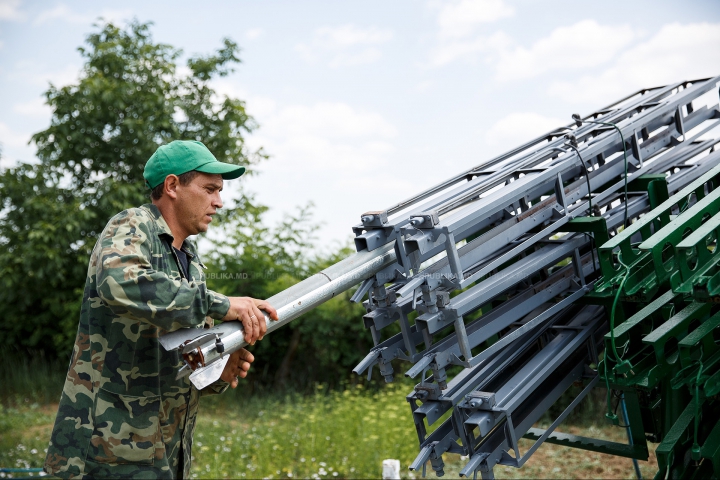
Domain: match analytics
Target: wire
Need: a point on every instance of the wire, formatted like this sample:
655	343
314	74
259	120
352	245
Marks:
587	178
612	312
571	144
609	414
578	122
620	362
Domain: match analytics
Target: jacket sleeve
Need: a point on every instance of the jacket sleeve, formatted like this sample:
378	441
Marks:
128	284
215	388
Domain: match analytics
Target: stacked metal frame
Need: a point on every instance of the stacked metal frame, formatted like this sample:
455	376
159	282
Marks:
494	267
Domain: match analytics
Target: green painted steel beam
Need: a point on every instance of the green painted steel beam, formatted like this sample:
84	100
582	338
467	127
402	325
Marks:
655	185
648	267
701	343
699	261
662	246
637	451
595	225
629	335
662	211
671	452
711	449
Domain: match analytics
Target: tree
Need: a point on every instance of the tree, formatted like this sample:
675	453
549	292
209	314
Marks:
129	99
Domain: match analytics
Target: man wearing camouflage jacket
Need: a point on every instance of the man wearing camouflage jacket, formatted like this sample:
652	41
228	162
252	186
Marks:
122	412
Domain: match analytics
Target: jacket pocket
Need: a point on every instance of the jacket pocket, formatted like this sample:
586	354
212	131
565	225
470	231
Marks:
126	428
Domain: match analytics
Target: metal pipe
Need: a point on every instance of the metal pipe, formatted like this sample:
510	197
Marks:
626	420
290	304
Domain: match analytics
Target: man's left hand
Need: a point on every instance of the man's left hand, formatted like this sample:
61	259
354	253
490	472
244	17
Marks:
237	366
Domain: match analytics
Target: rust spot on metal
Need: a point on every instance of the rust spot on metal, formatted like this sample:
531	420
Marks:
192	360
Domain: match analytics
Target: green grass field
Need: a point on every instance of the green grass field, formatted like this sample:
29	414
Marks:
336	434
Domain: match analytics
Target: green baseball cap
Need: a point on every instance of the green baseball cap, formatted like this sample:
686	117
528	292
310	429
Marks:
182	156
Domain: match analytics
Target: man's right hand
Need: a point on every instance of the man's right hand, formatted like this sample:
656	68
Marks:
247	311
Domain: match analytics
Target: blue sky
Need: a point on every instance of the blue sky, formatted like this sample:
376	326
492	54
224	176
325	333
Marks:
363	103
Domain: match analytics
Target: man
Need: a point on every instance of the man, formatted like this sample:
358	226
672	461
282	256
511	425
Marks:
122	412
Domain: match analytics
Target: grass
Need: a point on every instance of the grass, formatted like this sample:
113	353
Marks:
329	434
30	380
348	434
24	434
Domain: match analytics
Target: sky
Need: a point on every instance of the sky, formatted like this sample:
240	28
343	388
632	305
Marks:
361	104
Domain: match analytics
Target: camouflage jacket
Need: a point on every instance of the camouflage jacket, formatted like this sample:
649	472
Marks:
122	413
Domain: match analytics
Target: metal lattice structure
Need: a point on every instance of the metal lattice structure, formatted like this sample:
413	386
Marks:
587	256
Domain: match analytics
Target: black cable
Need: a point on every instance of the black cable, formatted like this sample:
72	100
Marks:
574	145
579	121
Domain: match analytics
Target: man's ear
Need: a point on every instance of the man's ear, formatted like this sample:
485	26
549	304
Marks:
171	185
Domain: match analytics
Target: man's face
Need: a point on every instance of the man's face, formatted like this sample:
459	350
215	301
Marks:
198	201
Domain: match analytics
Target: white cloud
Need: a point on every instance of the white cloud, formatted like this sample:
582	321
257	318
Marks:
580	46
62	12
458	22
11	138
349	35
33	108
14	147
424	86
9	10
342	158
363	57
254	33
676	52
324	136
58	12
517	128
583	45
461	18
33	73
450	50
346	45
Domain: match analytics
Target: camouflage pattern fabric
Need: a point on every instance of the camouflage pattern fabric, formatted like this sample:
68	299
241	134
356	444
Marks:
122	413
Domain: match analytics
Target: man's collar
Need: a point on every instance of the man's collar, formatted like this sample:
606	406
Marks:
163	227
162	224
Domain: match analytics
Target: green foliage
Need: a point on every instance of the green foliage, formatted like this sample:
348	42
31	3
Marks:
349	432
29	380
129	99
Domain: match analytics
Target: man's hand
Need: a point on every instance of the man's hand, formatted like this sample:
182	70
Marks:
237	366
247	310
